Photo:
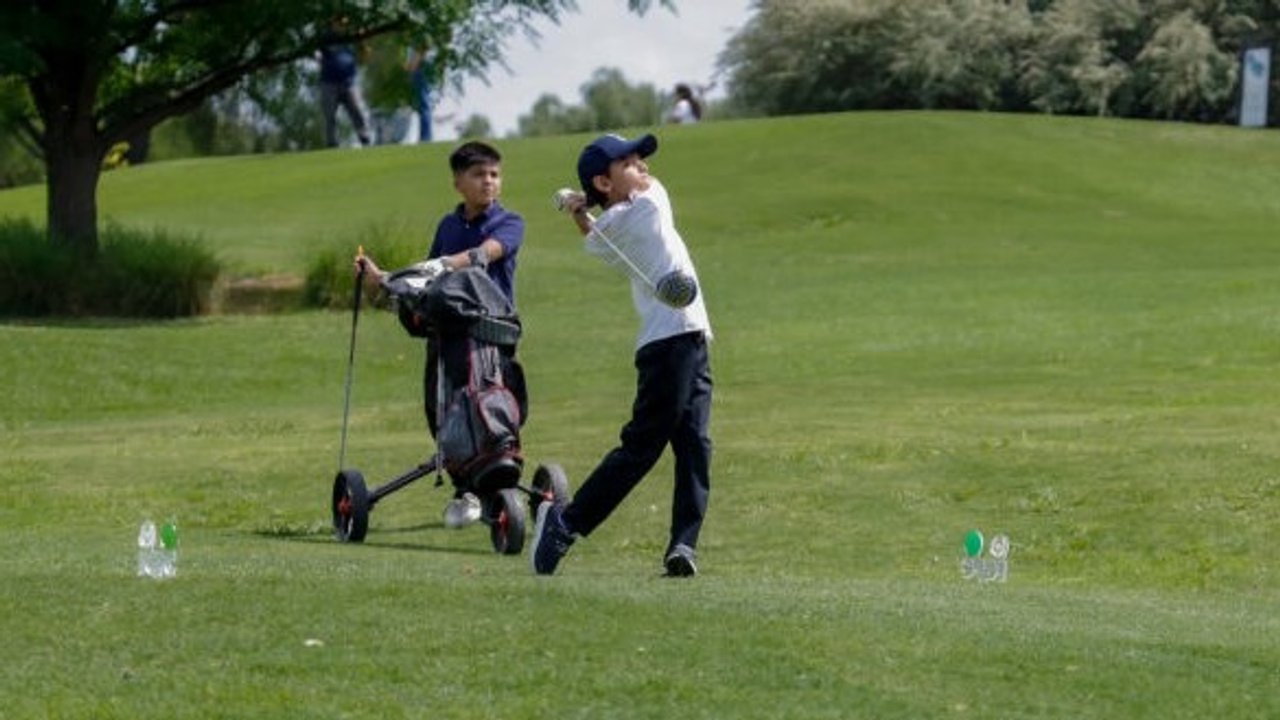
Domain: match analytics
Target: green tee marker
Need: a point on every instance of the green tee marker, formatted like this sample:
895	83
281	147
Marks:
973	543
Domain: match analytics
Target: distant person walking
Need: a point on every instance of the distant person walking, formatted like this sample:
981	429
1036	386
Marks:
420	63
339	69
687	109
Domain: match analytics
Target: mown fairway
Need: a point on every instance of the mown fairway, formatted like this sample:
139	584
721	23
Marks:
1065	330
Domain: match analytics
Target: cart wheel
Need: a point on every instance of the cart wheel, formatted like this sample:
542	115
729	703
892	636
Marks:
350	506
549	483
507	521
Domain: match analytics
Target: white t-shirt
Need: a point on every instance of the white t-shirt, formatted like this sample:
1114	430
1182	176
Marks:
643	228
682	112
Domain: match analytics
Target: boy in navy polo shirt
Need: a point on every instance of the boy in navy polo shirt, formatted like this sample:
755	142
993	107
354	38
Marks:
478	232
673	389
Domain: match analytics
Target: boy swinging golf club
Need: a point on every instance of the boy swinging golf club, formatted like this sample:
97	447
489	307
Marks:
636	233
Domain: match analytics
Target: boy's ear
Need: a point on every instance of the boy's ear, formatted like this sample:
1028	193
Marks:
602	184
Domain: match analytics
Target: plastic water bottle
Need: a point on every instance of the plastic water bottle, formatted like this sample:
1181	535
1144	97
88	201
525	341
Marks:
992	567
157	550
148	539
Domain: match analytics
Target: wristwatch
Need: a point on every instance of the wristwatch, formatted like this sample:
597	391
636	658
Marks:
478	258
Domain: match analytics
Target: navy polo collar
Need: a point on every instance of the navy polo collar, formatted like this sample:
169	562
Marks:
493	209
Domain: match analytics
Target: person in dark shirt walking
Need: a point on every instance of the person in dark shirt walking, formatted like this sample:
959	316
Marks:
339	86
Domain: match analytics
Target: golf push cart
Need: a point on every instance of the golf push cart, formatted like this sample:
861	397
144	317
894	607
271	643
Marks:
475	413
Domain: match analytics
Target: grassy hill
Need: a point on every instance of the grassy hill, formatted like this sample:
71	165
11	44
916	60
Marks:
1059	329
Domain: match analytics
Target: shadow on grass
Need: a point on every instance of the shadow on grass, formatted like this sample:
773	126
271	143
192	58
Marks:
433	549
66	322
317	535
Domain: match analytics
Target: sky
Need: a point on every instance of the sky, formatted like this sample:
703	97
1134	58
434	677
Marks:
660	48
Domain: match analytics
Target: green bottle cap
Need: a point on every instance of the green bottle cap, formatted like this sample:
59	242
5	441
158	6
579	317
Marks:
973	543
169	536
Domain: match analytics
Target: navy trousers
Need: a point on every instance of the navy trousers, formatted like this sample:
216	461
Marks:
672	407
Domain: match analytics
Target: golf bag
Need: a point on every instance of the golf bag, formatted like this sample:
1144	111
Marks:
473	387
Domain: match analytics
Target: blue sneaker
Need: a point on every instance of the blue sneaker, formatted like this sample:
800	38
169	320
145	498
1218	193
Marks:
680	562
551	539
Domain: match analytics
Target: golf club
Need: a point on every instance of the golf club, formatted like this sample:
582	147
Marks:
676	288
351	357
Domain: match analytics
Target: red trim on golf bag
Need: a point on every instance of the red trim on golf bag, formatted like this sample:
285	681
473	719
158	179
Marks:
481	422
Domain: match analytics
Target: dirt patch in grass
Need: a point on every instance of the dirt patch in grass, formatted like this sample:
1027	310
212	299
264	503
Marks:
258	295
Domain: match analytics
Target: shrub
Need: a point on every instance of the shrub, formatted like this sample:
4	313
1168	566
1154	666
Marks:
135	274
155	275
32	272
330	278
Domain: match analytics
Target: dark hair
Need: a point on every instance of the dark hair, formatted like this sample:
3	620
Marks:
473	153
684	93
594	196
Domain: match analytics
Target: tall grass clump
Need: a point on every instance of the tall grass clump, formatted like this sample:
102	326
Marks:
331	276
32	272
156	274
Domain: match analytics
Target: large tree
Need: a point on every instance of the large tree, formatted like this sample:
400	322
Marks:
102	71
609	102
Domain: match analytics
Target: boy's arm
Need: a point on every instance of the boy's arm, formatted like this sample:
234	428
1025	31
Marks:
503	238
582	220
483	254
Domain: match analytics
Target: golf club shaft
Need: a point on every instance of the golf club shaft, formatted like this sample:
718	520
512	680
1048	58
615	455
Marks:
605	238
351	362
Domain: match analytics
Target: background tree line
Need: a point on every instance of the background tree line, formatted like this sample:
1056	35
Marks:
1169	59
1165	59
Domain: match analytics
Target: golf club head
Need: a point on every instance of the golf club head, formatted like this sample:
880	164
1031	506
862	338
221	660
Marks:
562	198
677	289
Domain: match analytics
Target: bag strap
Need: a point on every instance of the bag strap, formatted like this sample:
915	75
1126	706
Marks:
485	365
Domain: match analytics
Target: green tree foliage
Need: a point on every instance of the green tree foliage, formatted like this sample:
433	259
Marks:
1135	58
476	126
551	116
1169	58
103	71
609	102
958	54
270	111
797	56
1080	57
1188	75
17	165
19	149
385	78
616	104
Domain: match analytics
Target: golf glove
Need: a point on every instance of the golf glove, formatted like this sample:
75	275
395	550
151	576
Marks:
433	268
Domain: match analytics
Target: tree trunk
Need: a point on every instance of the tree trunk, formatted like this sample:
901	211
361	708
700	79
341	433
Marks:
74	162
65	95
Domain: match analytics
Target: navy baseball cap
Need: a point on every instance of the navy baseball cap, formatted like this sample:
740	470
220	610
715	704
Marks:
597	156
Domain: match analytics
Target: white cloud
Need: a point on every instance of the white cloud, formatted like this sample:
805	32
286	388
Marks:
660	48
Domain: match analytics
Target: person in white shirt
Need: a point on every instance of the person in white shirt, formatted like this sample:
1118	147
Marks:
672	407
686	109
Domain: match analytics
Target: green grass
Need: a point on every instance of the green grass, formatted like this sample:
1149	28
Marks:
1060	329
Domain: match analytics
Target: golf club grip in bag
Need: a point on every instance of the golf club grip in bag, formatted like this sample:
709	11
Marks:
473	389
479	435
461	302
